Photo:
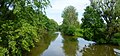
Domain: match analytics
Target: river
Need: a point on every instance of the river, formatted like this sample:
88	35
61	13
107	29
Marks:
59	45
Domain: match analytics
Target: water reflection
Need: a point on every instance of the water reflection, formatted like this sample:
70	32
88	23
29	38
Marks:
55	48
42	45
70	45
101	50
52	45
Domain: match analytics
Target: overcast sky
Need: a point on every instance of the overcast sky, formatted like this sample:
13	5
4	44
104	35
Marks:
59	5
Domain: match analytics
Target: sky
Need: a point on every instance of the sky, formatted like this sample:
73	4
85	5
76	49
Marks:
58	6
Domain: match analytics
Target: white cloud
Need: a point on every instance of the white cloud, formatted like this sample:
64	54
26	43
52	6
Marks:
59	5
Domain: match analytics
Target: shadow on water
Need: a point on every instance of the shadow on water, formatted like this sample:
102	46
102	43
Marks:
52	45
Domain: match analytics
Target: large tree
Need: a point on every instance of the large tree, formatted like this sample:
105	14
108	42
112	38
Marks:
92	24
70	16
70	20
108	11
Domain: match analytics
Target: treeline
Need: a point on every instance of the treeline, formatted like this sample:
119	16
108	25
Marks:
101	22
22	24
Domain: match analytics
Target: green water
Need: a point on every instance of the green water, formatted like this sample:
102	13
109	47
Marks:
59	45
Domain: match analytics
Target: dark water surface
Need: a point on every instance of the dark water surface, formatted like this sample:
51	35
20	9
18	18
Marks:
70	46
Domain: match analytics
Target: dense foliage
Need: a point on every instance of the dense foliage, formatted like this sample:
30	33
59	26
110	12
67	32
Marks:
70	21
101	21
92	24
22	24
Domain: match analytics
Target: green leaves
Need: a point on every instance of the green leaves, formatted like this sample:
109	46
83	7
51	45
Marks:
0	39
92	18
17	9
12	46
3	51
25	45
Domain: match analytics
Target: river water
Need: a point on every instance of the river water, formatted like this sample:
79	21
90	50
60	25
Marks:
59	45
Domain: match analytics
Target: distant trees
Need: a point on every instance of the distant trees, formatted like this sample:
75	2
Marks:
51	25
70	20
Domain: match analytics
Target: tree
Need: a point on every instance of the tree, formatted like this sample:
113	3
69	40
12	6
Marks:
70	16
92	24
109	12
70	22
